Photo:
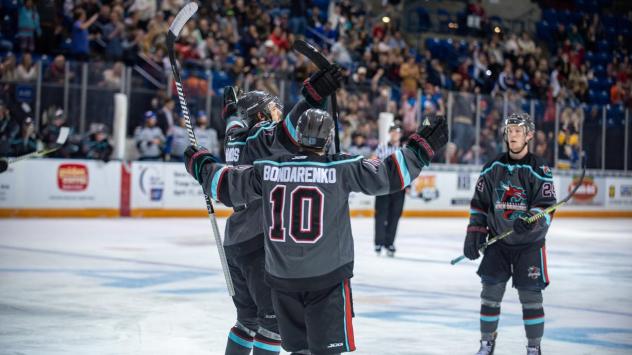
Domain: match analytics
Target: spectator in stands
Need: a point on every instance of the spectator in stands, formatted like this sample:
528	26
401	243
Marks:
56	70
432	101
207	136
80	45
165	116
8	70
177	141
410	73
96	145
526	44
506	79
149	138
463	112
26	71
112	76
26	141
28	25
8	129
358	145
112	35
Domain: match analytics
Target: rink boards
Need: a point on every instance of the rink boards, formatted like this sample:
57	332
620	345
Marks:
87	188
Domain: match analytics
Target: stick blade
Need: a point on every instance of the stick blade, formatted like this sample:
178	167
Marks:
182	17
312	53
63	135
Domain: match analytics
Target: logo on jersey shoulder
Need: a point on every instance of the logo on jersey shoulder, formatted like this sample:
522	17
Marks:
546	170
512	200
334	345
533	272
300	157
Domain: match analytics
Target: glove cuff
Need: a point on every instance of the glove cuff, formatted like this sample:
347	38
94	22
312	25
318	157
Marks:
193	158
476	229
422	148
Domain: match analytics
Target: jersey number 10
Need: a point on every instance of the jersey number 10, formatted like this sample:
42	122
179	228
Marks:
306	214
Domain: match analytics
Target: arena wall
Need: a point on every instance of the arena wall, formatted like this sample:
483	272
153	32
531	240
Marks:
88	188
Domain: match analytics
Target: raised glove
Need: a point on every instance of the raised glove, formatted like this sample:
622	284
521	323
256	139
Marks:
230	102
321	84
474	239
521	226
429	139
194	158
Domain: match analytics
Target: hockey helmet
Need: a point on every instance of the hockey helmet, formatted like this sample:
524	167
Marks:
314	129
253	102
519	119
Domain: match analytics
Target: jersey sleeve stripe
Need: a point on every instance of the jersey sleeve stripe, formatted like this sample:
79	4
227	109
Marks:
234	124
215	182
403	168
289	128
261	129
308	163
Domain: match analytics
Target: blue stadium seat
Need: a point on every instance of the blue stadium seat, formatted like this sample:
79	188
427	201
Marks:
599	70
603	45
594	84
609	20
444	18
550	16
423	19
604	97
604	58
564	17
606	83
590	57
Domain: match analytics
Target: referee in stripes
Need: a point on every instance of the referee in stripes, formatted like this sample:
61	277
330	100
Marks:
388	208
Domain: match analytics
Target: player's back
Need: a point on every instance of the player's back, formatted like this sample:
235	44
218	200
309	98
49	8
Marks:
307	225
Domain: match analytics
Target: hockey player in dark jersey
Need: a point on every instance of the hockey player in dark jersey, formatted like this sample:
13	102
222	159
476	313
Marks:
251	133
512	187
256	328
309	247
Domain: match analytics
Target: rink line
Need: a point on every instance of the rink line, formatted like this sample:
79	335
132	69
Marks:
103	257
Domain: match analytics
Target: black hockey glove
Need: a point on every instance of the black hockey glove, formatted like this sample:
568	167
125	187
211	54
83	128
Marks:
475	238
521	226
429	139
194	158
321	84
4	164
230	102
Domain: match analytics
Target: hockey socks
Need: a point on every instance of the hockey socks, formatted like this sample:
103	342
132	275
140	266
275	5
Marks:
532	315
240	341
266	342
489	320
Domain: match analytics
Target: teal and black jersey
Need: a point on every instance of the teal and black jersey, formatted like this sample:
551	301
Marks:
244	145
507	189
307	227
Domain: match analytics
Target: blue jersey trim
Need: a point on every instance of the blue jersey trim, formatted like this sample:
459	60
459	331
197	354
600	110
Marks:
236	143
312	163
403	167
290	128
511	167
265	126
542	267
215	181
489	318
240	341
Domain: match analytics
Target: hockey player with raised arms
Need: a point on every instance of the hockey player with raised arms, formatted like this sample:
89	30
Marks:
512	187
309	247
252	127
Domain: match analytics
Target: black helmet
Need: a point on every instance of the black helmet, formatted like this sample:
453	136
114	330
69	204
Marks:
519	119
253	102
314	128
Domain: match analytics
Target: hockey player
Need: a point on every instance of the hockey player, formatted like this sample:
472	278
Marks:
309	248
511	188
252	132
256	327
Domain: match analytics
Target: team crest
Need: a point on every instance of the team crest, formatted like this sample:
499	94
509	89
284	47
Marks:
546	170
512	200
533	272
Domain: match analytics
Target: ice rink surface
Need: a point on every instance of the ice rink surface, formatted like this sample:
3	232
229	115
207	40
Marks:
154	286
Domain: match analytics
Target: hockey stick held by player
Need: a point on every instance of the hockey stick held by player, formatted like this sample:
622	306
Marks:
309	247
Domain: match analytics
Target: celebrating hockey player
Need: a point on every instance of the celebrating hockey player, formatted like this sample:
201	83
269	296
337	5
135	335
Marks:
511	188
309	249
252	132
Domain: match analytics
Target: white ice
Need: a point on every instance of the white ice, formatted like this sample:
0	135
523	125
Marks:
154	286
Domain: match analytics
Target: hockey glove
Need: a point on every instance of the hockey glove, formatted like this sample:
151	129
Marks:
475	238
230	102
194	158
321	84
4	164
428	140
521	226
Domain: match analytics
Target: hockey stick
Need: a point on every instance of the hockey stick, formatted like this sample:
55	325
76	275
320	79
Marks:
174	31
61	139
531	219
313	54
